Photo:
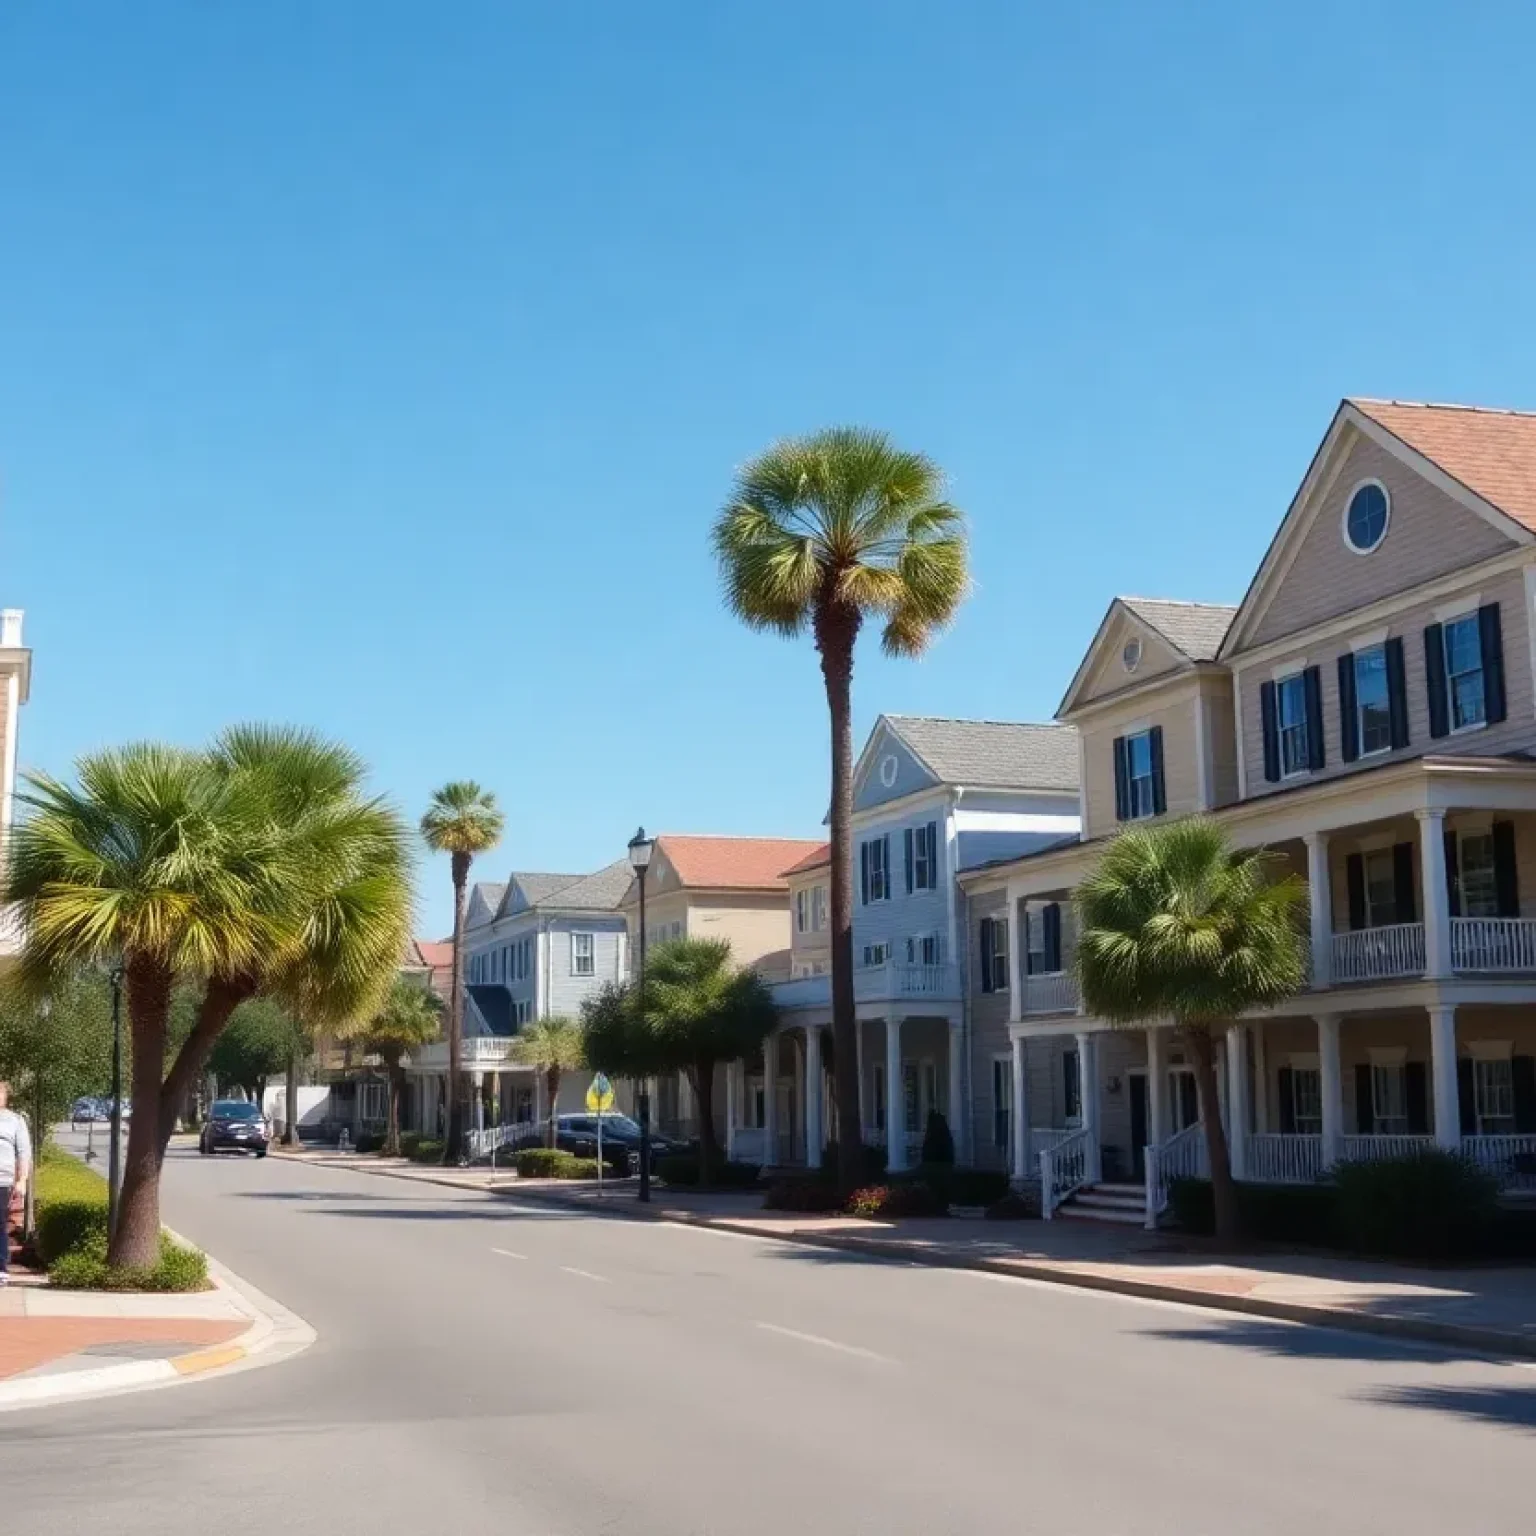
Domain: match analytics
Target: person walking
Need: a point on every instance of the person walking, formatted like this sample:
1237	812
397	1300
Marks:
15	1170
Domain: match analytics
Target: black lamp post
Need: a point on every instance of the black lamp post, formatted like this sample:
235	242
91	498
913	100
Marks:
115	1151
640	847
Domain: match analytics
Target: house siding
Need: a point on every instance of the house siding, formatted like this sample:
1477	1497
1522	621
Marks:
1174	711
567	992
1109	676
814	946
989	1031
1221	733
911	776
1428	534
905	914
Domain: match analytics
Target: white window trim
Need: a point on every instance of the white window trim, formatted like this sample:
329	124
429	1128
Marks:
1349	501
882	840
1299	673
1131	778
1463	607
591	939
1362	755
1455	615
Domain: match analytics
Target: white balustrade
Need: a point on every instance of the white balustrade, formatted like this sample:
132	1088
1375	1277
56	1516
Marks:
1510	1159
1373	1149
1063	1169
478	1144
1182	1156
1055	993
893	981
1043	1137
1493	944
1378	954
1281	1159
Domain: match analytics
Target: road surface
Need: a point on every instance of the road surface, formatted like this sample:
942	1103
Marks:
488	1366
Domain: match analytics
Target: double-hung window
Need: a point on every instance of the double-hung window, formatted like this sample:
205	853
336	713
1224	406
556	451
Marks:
1307	1101
876	954
875	856
1002	1103
818	909
1465	695
994	954
1034	943
1389	1099
1380	888
583	959
1476	872
1373	701
1493	1096
1140	777
923	949
802	911
922	848
1291	707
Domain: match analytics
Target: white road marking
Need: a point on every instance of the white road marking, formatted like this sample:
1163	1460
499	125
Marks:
816	1338
507	1253
585	1274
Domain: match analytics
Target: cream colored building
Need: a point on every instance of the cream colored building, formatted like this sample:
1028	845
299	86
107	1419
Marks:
1369	713
15	687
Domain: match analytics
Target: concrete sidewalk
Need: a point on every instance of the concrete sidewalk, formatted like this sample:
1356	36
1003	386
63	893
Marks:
1490	1308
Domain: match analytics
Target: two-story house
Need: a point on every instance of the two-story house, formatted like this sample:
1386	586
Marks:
931	798
1368	713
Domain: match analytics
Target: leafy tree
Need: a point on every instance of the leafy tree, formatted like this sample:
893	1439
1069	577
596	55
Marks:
695	1011
412	1016
553	1046
259	1041
462	821
1176	924
258	867
821	533
55	1047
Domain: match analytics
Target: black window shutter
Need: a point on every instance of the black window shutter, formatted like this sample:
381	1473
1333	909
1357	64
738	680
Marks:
864	873
1354	878
1453	871
1051	918
1122	782
986	954
1466	1100
907	851
1492	637
1349	715
1416	1090
1159	794
1365	1118
1523	1070
1434	679
1312	682
1286	1080
1269	715
1506	877
1403	899
1397	693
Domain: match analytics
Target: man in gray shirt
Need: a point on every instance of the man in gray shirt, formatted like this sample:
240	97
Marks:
15	1170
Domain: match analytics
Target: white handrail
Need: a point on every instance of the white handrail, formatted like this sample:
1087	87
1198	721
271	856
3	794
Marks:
1055	992
1182	1156
1510	1159
1372	1149
478	1144
1284	1158
1063	1169
1493	944
1376	954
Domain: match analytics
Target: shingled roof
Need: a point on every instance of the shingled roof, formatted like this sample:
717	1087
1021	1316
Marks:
601	891
1195	630
734	863
993	754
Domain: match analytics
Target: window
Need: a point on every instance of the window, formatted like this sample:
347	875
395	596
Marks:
802	911
1475	870
1002	1103
1493	1096
876	954
1307	1101
1380	888
1366	516
1463	641
677	930
1291	705
875	856
1034	943
583	961
1130	654
1389	1100
994	954
521	1010
922	844
819	908
923	949
1139	777
1072	1088
1373	702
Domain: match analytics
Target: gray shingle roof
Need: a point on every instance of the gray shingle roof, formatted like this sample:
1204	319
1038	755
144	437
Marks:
1195	630
601	891
993	753
538	888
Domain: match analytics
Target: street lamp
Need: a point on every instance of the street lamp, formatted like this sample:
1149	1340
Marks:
115	1151
640	847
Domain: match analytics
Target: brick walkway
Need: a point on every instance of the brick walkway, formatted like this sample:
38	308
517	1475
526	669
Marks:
31	1345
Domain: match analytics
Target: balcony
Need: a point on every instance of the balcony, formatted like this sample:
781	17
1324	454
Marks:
895	981
1379	954
1053	993
1480	946
480	1051
1493	945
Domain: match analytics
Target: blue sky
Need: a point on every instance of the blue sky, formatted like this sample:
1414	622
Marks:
380	366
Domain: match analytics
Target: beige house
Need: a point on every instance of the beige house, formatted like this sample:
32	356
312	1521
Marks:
810	892
15	686
1368	712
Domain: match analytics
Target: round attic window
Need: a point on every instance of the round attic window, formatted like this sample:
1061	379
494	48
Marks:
888	767
1131	655
1365	517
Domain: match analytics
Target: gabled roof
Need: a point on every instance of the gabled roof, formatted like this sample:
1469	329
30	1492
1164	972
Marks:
1195	630
992	754
601	891
537	888
488	894
734	863
818	858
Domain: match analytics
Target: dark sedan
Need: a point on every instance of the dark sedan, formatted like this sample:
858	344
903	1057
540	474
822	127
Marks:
621	1141
235	1126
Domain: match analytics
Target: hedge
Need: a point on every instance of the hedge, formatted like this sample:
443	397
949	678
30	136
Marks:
963	1186
1280	1213
682	1169
897	1200
550	1163
425	1150
819	1196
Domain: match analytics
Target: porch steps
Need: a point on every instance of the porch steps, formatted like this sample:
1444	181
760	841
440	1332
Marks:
1122	1204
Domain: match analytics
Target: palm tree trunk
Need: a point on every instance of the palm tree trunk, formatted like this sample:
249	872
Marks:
552	1087
137	1239
703	1075
291	1100
453	1144
837	627
1223	1189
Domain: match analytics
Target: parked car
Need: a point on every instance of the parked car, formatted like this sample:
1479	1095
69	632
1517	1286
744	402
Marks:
235	1125
621	1140
84	1110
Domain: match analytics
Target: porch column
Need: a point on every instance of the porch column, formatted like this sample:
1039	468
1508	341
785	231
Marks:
732	1107
1442	1070
1260	1083
1157	1089
1330	1080
1437	902
813	1096
1320	904
895	1099
1020	1165
958	1119
1015	961
478	1079
1088	1074
1237	1099
771	1101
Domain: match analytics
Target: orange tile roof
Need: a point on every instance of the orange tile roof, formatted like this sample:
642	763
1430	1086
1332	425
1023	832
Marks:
734	863
815	860
1491	452
435	952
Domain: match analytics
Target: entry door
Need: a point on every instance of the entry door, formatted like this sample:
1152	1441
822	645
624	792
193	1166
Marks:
1140	1121
1183	1098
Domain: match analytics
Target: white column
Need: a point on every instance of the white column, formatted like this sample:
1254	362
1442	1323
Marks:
1437	901
771	1101
1022	1168
1442	1070
895	1100
478	1079
1237	1099
732	1106
1088	1074
1260	1082
958	1119
1332	1084
1015	961
813	1096
1157	1089
1320	901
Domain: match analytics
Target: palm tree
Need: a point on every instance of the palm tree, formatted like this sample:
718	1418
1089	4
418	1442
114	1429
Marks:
463	820
411	1017
257	868
1176	924
553	1046
821	533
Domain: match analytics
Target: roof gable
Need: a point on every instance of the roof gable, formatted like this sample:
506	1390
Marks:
485	898
732	863
1140	639
888	768
993	754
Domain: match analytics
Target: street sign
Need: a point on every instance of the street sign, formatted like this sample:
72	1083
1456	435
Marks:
600	1095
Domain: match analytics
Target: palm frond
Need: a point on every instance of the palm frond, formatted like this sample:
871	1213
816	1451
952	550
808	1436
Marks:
462	818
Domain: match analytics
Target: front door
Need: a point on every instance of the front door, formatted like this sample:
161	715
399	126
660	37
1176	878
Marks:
1183	1098
1140	1121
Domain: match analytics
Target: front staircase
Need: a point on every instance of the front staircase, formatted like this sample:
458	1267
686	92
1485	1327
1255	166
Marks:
1122	1204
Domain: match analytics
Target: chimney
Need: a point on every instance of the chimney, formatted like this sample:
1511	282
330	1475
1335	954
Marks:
10	628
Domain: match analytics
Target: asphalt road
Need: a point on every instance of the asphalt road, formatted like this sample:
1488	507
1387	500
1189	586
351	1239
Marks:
489	1366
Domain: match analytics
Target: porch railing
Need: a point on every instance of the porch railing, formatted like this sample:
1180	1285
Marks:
1493	944
1378	954
1043	1138
1510	1159
1182	1156
1281	1159
1063	1169
1373	1149
1056	993
478	1144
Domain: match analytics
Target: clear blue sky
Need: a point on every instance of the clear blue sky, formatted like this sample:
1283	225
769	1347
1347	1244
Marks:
380	366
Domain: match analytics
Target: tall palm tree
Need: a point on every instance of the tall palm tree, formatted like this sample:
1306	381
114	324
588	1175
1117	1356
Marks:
463	820
821	533
553	1046
411	1016
1176	924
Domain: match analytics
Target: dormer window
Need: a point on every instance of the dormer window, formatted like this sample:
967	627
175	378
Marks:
1366	516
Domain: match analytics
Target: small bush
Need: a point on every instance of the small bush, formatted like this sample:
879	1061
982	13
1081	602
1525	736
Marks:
1016	1205
426	1151
66	1226
938	1144
818	1196
409	1141
683	1171
370	1141
871	1163
1278	1213
897	1200
1431	1205
551	1163
86	1269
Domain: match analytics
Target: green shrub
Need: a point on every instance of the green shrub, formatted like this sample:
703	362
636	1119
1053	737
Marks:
806	1195
1016	1205
550	1163
64	1226
409	1141
1430	1205
683	1171
871	1163
1276	1213
426	1151
370	1141
938	1144
86	1269
896	1200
